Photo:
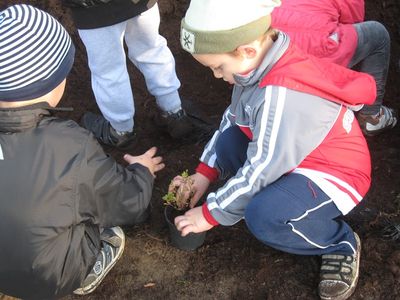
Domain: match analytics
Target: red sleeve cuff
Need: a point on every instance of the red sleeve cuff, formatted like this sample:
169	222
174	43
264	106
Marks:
211	173
207	215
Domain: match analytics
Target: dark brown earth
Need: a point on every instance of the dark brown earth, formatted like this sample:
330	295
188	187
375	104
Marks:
232	264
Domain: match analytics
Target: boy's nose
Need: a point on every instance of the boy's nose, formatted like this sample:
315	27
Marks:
217	74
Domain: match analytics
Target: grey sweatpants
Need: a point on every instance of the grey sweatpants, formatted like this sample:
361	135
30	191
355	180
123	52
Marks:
149	52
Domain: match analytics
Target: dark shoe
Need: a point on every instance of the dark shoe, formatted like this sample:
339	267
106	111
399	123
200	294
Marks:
177	124
372	125
191	127
103	131
113	243
339	274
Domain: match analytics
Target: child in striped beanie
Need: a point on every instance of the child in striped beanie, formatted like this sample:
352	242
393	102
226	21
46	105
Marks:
62	196
34	59
293	154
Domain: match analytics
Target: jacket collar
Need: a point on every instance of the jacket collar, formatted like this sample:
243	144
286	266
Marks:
273	55
23	118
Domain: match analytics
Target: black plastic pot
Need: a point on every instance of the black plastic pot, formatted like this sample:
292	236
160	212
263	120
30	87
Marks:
190	242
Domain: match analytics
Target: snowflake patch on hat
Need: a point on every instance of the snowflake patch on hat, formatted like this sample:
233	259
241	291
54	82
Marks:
187	40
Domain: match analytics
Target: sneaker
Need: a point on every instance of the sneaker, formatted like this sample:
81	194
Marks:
103	131
113	243
372	125
177	124
339	274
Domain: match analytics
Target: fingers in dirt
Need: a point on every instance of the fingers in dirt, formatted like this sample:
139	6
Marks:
159	167
152	151
157	159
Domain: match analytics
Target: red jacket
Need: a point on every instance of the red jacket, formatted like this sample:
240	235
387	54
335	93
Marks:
305	73
321	27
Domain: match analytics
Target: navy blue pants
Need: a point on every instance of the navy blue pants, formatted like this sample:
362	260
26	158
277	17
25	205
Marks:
291	214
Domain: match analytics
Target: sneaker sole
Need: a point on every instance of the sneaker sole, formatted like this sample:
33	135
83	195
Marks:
353	286
90	288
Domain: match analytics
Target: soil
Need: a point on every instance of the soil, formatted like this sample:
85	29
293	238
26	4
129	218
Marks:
232	264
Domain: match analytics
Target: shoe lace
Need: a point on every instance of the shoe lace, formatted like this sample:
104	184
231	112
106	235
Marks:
387	116
334	265
174	116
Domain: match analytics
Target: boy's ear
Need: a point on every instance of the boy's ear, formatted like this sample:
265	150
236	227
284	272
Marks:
247	51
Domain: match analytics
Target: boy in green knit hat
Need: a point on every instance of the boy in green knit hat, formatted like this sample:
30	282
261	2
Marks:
289	147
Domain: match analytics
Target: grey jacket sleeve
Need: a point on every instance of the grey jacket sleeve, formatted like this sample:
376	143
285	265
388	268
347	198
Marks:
109	194
287	126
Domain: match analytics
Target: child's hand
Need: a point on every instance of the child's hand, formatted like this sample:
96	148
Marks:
200	186
191	189
148	159
192	221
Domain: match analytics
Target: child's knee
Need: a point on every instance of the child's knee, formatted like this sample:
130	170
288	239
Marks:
380	32
231	148
226	140
258	216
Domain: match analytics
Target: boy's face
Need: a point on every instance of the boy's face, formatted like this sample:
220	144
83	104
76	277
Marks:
224	65
56	94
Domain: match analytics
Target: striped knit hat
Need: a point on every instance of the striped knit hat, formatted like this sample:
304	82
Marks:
220	26
36	53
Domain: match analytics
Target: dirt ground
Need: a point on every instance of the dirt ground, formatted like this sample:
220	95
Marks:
232	264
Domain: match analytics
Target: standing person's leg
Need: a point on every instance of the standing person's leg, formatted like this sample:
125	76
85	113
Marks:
294	215
372	56
110	82
148	50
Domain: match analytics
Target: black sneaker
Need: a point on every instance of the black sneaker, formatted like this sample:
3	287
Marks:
190	127
113	243
339	274
177	124
103	131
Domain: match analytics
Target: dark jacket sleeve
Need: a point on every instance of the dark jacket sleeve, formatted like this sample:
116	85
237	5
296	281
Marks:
107	14
109	194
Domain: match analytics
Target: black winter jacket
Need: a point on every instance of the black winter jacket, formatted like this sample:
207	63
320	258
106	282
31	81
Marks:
57	187
106	14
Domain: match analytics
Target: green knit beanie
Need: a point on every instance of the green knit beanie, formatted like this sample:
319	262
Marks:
220	26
